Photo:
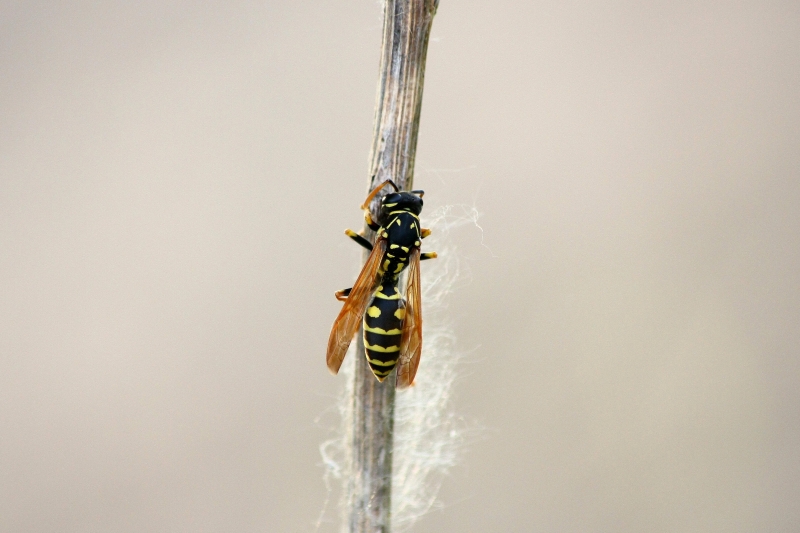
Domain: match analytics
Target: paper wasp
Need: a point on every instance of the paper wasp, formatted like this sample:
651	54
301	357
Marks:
392	324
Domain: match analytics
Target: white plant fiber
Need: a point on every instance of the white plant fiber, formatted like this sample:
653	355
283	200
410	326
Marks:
428	434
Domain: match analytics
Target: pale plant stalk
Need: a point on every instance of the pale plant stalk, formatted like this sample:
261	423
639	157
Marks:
406	30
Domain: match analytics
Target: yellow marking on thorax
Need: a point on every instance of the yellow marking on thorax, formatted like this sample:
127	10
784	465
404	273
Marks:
381	363
374	312
386	265
397	270
390	205
404	211
381	331
393	246
416	243
381	349
400	313
404	249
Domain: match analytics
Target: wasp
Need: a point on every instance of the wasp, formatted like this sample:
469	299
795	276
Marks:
392	324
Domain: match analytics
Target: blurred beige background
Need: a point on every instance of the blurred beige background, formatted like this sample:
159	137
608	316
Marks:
174	182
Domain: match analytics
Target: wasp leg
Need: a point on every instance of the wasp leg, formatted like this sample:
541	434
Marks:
428	255
358	238
343	294
424	232
374	226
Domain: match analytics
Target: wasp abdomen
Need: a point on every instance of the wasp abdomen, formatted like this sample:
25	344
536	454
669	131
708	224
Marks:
383	326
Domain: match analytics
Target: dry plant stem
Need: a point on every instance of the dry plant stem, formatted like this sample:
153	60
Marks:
406	29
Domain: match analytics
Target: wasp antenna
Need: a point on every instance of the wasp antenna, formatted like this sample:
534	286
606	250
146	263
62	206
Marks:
365	205
418	193
384	182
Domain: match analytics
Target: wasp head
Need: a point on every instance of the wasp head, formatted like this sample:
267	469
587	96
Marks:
401	201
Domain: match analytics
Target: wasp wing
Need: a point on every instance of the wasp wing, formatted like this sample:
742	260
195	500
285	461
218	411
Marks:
411	340
346	324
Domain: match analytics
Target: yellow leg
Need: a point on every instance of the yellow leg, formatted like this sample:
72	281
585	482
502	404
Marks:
374	226
358	238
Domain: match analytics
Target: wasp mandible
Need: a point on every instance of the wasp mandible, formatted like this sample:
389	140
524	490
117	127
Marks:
392	324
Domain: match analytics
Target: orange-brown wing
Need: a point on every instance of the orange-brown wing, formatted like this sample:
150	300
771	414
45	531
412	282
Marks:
411	340
352	312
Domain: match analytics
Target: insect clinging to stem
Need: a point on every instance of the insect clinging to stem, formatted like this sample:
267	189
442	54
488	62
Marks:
392	324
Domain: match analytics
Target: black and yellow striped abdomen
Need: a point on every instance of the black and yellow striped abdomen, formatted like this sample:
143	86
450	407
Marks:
383	325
